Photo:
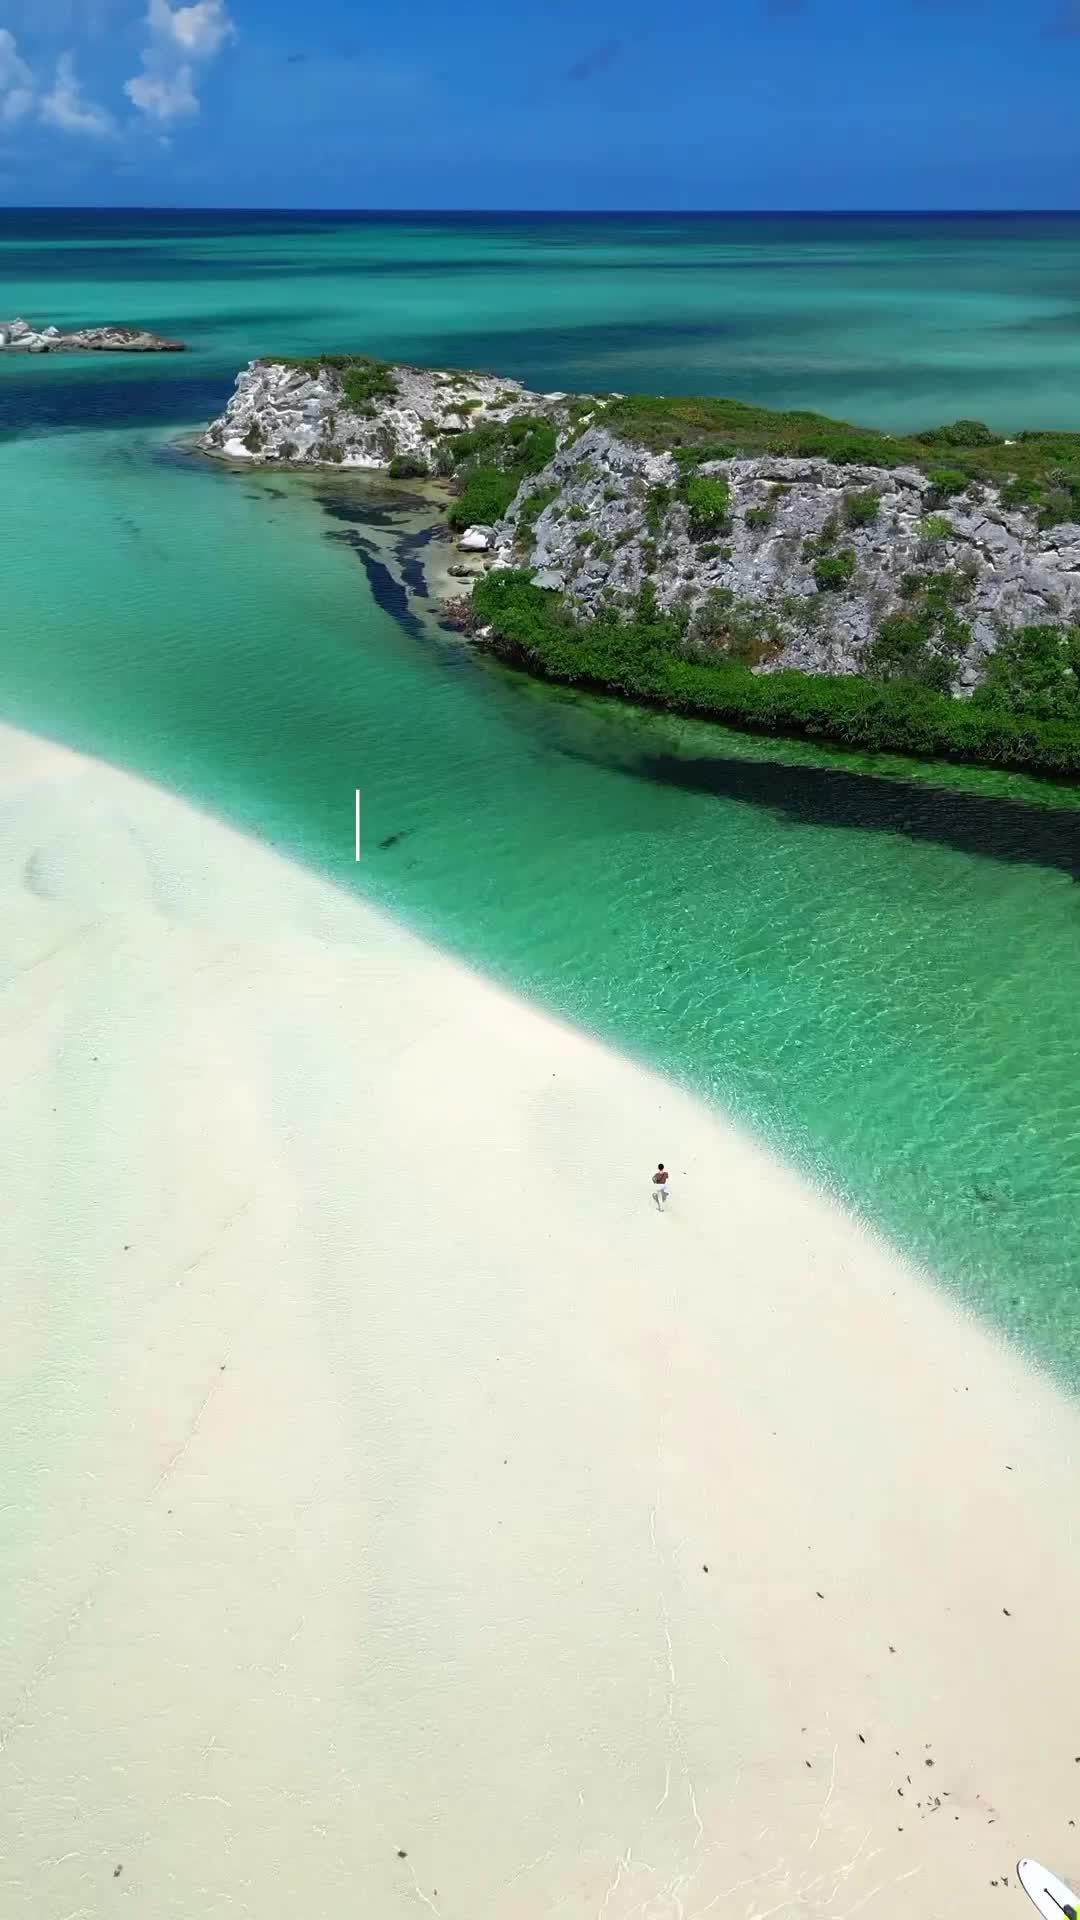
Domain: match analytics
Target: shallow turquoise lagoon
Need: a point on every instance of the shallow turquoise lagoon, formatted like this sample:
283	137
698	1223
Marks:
873	964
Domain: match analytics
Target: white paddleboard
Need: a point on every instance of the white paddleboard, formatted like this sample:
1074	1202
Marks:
1052	1897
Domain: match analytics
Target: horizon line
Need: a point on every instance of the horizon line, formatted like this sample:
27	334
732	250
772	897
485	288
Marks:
574	213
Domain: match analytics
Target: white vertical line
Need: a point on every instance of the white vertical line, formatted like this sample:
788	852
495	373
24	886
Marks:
358	823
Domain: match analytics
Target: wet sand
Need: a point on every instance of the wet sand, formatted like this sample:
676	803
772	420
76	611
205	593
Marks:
399	1515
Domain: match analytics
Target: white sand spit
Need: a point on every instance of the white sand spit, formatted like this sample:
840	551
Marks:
366	1437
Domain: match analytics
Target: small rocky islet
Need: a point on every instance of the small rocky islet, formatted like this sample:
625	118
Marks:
18	336
784	545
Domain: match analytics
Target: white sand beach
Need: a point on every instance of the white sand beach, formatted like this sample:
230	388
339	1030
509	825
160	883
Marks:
400	1516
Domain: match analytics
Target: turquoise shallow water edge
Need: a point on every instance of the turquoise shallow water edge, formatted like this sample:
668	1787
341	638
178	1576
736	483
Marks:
873	964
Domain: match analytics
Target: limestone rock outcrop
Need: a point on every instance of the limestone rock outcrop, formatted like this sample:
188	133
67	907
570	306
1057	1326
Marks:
18	336
606	518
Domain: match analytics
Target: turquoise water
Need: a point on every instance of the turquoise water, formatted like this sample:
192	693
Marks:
872	963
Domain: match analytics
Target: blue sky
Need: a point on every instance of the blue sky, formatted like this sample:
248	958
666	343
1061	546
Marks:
541	103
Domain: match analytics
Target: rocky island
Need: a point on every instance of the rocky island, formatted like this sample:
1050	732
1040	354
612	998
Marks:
18	336
780	570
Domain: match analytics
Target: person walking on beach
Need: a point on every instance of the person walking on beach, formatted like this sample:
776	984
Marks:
660	1187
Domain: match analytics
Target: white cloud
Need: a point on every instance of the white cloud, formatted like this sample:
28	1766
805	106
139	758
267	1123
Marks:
66	107
199	31
178	36
16	82
161	95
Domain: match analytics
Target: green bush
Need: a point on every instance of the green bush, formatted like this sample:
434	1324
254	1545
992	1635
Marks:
834	571
919	647
861	509
1037	669
709	502
366	381
739	629
936	528
758	518
656	506
962	433
576	512
253	438
363	379
406	466
487	493
491	460
644	658
947	481
329	452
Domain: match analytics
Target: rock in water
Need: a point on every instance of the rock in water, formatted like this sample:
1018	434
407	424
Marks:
17	336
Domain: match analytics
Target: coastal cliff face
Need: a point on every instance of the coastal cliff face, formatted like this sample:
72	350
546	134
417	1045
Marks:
354	412
826	552
781	561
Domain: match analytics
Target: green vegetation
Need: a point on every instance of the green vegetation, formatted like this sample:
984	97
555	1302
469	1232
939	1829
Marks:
962	433
490	462
861	509
1042	470
936	528
758	518
925	643
363	380
834	571
406	466
919	648
531	509
1039	471
1036	669
484	498
709	502
656	506
253	438
735	629
947	481
649	658
823	541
